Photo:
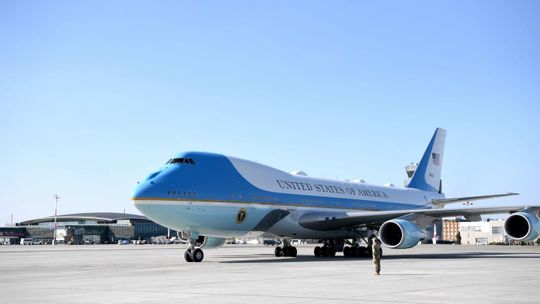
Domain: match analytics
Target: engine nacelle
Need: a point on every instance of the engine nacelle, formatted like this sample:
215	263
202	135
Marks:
211	242
399	234
522	226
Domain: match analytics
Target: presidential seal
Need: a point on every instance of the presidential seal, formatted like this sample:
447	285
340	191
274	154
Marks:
241	216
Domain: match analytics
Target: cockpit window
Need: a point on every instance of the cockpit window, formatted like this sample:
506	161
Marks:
182	160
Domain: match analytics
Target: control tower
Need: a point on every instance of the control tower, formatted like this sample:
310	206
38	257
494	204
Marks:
410	168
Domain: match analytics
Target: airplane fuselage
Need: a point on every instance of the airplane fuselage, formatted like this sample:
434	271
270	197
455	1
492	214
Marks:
222	196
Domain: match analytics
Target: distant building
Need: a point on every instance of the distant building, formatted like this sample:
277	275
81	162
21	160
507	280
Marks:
450	228
11	235
85	228
482	233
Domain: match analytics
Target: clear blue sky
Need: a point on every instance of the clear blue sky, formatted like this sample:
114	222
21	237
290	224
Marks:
96	94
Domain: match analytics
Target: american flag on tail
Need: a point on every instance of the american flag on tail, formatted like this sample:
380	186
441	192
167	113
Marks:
436	158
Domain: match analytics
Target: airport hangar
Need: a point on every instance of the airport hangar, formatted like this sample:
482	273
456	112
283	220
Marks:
85	228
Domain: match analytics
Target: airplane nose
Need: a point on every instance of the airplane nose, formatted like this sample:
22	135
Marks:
145	188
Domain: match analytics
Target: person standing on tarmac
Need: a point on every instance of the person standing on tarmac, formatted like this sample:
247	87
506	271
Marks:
376	253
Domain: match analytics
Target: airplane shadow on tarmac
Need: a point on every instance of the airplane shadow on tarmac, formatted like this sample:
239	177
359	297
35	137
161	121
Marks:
254	259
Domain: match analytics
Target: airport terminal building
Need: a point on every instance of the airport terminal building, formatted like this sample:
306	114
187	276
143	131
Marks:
86	228
483	233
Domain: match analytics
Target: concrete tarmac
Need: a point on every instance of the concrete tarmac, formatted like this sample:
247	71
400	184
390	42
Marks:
243	273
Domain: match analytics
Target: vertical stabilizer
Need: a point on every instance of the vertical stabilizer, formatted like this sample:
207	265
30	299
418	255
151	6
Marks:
428	174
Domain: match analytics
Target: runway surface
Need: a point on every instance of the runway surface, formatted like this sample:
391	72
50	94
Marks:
242	274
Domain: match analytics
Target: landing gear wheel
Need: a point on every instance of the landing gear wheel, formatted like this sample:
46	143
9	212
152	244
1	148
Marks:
331	252
317	251
325	252
363	252
347	252
286	251
197	255
187	255
293	252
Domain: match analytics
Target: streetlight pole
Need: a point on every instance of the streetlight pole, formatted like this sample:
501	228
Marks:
56	198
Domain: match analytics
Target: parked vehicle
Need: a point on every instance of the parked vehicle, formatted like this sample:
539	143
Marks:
271	242
27	241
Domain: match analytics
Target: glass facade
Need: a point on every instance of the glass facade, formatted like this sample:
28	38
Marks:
101	230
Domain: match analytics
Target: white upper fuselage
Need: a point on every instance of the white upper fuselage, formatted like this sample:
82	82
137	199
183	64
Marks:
361	195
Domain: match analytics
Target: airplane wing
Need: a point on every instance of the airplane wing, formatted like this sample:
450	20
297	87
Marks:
444	201
337	220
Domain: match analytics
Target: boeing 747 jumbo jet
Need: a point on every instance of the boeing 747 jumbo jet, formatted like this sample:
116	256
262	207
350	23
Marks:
210	197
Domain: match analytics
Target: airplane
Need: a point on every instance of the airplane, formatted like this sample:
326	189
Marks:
209	197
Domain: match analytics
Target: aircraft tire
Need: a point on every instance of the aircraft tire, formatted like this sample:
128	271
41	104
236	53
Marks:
278	251
364	252
324	251
347	252
293	252
286	251
331	252
187	255
317	251
198	255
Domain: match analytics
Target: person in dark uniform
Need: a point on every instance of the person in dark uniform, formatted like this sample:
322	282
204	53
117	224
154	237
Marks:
376	252
458	238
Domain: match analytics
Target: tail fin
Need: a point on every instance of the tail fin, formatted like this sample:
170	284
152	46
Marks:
428	174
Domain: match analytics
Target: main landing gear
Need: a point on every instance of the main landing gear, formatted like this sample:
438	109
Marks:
327	250
356	251
193	253
330	248
286	251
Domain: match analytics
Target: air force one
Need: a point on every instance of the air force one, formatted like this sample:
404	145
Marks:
209	197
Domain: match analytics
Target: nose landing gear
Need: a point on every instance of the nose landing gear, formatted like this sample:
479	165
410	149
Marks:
193	253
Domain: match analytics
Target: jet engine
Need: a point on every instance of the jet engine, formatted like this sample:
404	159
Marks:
399	234
522	226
